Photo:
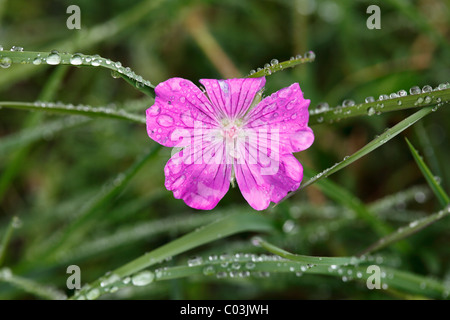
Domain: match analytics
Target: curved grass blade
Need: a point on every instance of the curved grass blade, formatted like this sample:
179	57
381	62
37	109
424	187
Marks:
78	60
36	289
440	96
328	261
254	267
77	110
437	189
276	66
372	145
408	230
232	224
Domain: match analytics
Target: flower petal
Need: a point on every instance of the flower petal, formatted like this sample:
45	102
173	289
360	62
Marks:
199	176
233	97
285	113
262	179
179	108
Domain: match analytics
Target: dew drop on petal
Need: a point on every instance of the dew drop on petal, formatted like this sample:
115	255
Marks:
165	120
154	110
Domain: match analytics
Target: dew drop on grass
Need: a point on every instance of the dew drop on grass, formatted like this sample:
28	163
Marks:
250	265
76	60
273	62
15	48
209	270
252	72
256	241
369	99
371	111
143	278
298	57
37	61
348	103
1	48
427	89
5	62
443	86
402	93
221	275
53	58
415	90
96	62
310	55
383	97
195	261
93	294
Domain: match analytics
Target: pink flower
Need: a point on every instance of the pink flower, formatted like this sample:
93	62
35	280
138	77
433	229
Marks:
227	133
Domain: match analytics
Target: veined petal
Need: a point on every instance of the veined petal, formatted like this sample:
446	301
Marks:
199	175
233	97
286	113
180	108
262	181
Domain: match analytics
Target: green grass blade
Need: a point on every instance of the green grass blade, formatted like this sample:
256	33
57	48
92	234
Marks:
232	224
374	144
252	267
36	289
408	230
439	96
437	189
49	129
84	110
87	213
328	261
15	222
79	60
276	66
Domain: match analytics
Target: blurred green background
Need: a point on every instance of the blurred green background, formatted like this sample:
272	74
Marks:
47	183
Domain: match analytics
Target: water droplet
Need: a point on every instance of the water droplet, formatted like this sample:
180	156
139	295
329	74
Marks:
310	55
273	62
1	48
443	86
415	90
267	66
250	265
195	261
348	103
252	72
209	270
427	99
221	275
37	61
402	93
427	89
371	111
437	179
383	97
236	266
288	226
5	62
369	99
256	241
93	294
165	120
393	95
15	48
298	56
143	278
76	60
53	58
